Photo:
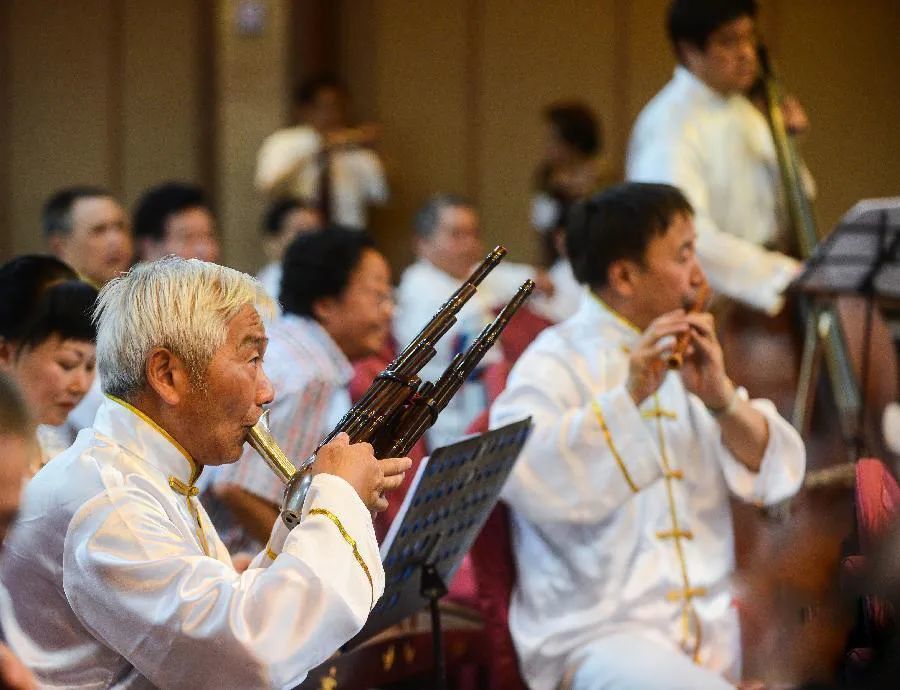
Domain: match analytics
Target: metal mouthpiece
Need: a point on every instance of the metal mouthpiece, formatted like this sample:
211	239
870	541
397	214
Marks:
296	481
261	440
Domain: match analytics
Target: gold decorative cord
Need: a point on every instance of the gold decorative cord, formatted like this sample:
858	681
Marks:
352	542
687	593
612	448
190	491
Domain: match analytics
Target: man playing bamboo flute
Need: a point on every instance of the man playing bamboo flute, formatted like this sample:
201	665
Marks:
621	521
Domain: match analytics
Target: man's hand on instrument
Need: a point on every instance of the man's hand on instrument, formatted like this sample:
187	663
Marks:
646	365
703	371
795	119
356	463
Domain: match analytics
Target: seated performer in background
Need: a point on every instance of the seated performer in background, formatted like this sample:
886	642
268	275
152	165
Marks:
175	219
701	134
567	174
336	294
622	525
19	452
285	219
116	576
323	161
89	230
448	246
47	341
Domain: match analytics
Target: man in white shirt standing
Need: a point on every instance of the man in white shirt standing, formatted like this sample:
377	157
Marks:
620	500
116	576
323	161
338	305
701	134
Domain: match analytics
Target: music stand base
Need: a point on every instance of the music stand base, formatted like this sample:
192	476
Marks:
433	588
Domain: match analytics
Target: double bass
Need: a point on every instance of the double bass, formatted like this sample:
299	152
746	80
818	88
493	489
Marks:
835	416
788	567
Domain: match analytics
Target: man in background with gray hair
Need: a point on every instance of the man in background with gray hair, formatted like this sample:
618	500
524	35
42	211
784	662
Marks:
448	246
118	579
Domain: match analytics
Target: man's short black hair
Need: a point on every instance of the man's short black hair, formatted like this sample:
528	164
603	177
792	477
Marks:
158	203
693	21
319	264
305	92
576	125
56	216
278	209
41	296
618	223
428	217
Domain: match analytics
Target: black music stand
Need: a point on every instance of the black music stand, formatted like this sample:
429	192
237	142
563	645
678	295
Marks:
445	508
861	258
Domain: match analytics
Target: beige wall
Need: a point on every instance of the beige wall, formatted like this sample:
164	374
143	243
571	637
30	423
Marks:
98	91
459	86
129	92
251	89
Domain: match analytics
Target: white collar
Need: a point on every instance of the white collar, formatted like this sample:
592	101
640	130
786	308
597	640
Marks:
135	432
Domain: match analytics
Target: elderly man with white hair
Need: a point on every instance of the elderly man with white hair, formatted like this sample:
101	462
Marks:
117	577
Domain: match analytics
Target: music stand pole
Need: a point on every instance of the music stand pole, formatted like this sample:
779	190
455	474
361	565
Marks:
868	289
433	588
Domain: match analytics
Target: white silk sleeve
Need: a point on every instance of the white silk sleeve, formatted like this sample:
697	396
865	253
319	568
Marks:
582	461
141	588
734	266
783	463
372	176
280	152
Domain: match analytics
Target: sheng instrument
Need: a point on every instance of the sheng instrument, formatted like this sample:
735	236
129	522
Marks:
397	409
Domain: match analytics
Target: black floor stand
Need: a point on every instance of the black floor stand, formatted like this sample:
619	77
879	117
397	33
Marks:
433	588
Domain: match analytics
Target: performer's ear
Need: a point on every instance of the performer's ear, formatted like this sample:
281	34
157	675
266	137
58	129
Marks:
327	310
620	277
167	375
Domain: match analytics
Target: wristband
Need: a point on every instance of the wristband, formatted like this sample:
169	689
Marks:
729	407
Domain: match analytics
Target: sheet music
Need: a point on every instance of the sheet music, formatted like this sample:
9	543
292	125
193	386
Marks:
868	211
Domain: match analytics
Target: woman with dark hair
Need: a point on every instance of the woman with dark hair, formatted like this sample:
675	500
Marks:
47	339
567	174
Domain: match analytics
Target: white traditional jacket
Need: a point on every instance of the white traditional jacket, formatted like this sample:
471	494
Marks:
718	150
118	580
357	175
621	518
423	289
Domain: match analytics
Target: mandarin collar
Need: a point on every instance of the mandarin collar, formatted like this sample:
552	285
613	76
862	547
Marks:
594	310
691	82
134	431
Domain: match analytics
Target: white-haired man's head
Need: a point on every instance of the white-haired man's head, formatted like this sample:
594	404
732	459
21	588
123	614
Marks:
183	340
180	304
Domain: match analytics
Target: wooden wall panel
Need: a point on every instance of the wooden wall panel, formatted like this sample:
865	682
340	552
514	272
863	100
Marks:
843	62
6	240
161	95
527	60
416	84
121	92
61	78
103	92
252	87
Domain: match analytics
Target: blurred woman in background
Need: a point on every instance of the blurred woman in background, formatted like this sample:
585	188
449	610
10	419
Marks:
47	340
568	172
